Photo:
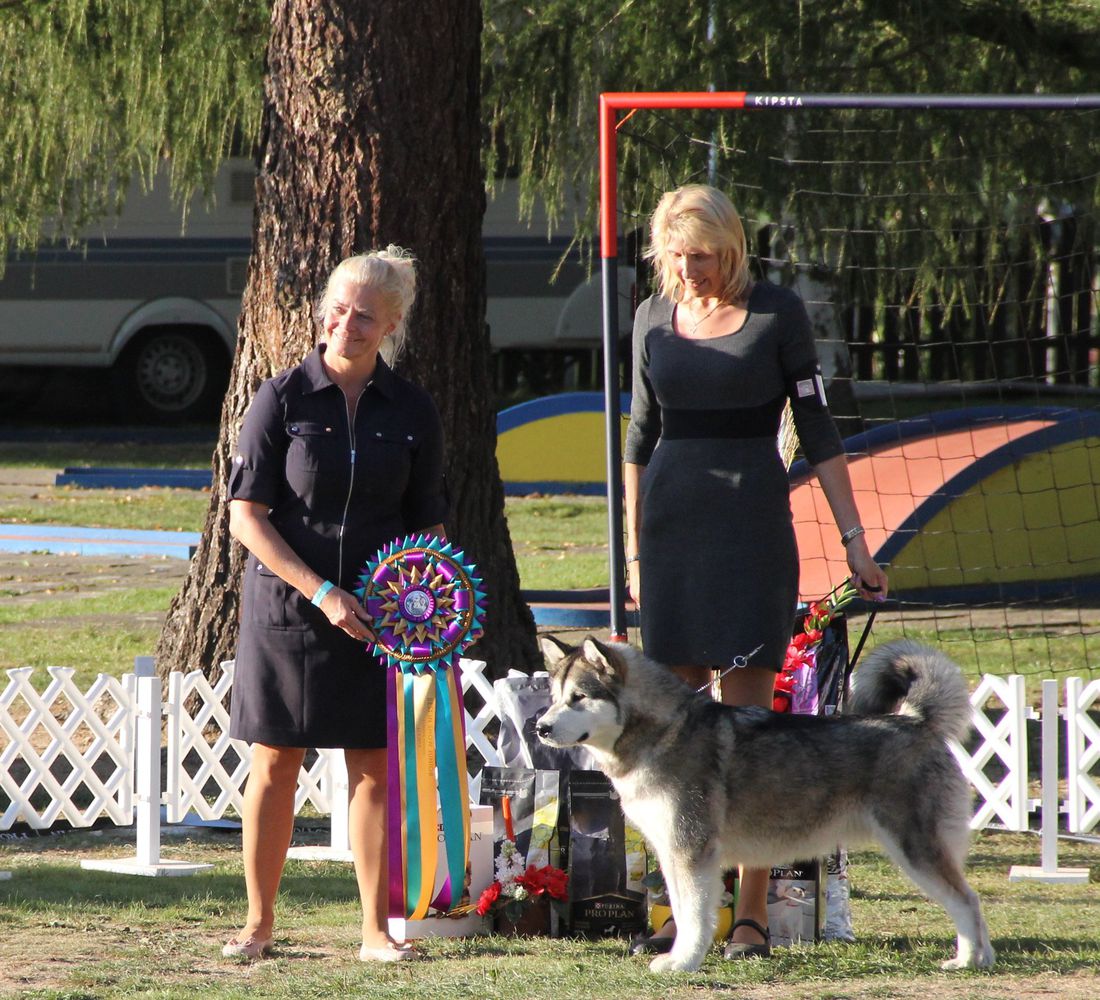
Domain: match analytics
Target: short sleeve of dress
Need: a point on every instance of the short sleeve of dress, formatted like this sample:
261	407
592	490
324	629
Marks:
258	472
805	387
644	429
426	502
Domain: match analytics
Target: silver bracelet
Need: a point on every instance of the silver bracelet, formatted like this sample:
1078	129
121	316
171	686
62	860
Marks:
850	534
630	559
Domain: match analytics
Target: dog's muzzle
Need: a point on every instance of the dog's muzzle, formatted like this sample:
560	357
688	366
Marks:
543	730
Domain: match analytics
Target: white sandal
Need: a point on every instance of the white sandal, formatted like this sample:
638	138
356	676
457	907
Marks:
390	953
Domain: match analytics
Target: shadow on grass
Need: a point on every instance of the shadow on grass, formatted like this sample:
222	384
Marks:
48	885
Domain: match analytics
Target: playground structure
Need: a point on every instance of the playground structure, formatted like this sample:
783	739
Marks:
965	506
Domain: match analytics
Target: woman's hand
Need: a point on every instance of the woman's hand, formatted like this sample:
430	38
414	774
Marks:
345	612
868	577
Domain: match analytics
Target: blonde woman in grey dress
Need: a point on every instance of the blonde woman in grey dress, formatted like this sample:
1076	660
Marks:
711	551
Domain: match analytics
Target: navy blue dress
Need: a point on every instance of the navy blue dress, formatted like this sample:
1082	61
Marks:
339	485
717	546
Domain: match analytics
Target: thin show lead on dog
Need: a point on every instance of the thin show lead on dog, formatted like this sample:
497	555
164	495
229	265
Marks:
698	778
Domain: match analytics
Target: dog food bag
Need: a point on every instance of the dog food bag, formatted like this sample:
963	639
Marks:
795	904
600	902
533	796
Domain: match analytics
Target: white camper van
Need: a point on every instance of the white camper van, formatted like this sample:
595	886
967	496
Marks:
158	310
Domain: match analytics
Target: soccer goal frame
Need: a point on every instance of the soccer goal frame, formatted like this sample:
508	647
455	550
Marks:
615	108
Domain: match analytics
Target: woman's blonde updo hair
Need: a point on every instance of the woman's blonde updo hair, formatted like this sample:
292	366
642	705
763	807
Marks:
393	273
700	217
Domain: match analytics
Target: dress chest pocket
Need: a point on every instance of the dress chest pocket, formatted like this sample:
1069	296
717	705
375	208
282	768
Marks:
313	445
385	458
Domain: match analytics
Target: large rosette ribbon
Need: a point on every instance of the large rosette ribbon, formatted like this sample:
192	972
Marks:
426	607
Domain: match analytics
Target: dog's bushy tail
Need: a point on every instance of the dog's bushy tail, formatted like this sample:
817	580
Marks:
926	683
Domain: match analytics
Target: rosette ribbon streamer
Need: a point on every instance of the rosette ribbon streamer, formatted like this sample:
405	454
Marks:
426	607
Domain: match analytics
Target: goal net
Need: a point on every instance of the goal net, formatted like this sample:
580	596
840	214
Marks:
946	250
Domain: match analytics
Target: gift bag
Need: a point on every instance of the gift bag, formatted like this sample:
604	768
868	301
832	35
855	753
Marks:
831	668
534	804
805	899
838	909
521	701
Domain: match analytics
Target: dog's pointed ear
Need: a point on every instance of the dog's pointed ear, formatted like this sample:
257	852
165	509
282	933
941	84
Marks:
606	658
553	651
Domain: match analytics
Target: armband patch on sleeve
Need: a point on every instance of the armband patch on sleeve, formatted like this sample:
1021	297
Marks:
814	386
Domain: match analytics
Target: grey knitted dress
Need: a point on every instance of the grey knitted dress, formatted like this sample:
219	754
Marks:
719	562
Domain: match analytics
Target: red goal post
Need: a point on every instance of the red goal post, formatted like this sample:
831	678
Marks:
612	105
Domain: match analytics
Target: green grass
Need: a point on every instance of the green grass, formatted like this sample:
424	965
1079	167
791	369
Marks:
126	454
560	543
71	933
1033	653
148	509
124	603
92	633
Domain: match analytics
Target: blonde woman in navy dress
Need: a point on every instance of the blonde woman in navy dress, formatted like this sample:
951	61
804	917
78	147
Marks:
710	546
337	457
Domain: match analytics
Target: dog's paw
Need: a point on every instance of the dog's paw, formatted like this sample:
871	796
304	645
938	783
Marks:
983	959
670	963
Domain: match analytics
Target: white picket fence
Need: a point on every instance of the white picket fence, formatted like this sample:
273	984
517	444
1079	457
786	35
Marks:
83	756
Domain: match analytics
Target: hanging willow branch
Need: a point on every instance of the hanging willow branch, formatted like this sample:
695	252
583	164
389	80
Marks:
943	190
98	94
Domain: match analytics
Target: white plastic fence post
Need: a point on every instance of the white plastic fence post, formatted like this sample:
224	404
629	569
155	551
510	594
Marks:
339	838
335	783
147	861
147	797
1049	872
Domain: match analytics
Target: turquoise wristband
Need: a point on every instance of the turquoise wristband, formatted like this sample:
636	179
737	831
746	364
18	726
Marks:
322	592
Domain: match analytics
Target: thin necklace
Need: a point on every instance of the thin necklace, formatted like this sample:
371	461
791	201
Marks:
702	319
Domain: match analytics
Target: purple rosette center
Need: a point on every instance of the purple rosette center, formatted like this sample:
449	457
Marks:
417	604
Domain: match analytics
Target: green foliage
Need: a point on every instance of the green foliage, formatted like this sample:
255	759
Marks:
99	92
939	187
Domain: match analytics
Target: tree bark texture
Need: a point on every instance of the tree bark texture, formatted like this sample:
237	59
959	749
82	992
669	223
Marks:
371	135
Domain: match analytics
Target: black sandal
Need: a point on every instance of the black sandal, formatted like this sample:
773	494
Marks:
655	944
738	949
652	945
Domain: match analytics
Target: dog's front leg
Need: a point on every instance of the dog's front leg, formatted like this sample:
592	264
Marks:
693	892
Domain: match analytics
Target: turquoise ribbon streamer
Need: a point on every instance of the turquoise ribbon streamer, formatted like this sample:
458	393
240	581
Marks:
450	790
412	807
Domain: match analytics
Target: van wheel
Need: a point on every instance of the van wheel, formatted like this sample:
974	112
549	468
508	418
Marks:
20	389
172	374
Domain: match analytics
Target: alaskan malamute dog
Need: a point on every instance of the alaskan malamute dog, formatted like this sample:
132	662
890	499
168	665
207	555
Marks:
712	786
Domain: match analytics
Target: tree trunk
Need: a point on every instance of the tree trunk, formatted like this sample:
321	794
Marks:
371	135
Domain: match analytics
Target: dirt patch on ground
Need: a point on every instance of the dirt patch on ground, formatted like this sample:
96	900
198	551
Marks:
28	577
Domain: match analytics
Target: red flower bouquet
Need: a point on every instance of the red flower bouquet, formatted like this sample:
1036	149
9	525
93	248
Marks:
518	885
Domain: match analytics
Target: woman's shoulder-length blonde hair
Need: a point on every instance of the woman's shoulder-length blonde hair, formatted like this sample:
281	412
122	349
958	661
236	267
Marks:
701	217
